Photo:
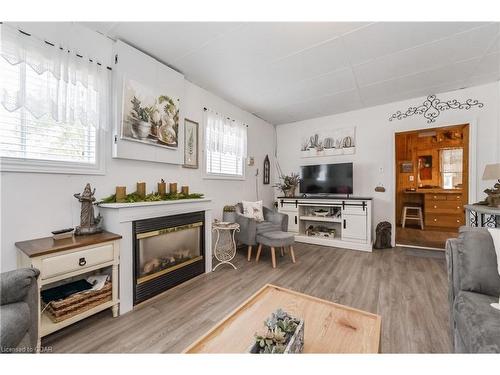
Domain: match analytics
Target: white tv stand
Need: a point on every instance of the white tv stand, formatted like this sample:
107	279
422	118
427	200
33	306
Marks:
349	218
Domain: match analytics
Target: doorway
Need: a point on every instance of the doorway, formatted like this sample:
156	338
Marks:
432	185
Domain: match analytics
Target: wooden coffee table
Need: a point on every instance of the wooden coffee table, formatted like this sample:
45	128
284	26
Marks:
329	327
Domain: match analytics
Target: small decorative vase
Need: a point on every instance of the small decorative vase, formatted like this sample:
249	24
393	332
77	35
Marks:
290	193
229	216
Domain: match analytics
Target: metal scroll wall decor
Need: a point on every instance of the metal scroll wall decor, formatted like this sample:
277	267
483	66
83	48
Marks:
432	107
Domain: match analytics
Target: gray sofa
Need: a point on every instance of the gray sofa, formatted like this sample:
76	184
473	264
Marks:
19	311
249	228
474	284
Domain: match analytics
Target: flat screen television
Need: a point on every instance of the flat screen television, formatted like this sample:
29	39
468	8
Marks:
326	179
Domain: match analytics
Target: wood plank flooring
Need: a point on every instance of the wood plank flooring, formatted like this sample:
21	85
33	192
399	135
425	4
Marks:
407	287
435	238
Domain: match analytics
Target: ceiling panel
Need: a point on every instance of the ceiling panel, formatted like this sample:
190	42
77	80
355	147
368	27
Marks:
290	71
374	94
459	47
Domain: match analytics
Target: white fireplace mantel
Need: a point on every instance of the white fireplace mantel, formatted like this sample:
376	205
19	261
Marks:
118	218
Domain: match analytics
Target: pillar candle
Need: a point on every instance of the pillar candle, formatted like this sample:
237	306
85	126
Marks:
141	189
172	188
185	190
121	192
162	188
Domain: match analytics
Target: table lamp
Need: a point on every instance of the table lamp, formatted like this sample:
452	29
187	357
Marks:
492	172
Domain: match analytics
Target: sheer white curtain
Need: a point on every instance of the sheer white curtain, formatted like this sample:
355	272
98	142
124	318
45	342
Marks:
225	136
225	144
52	81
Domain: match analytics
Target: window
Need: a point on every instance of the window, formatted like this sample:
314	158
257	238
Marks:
52	104
225	146
451	168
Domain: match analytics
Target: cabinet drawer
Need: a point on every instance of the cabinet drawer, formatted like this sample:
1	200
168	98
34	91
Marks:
443	207
435	197
454	197
61	264
452	221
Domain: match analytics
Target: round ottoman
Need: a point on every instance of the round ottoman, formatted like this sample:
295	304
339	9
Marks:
275	239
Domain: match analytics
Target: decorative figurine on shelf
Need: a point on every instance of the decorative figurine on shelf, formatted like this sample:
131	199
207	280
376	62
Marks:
88	223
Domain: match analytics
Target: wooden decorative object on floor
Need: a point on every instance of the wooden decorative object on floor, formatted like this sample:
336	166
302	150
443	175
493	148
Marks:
141	189
121	193
330	327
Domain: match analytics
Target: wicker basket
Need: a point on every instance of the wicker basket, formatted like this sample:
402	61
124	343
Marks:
78	303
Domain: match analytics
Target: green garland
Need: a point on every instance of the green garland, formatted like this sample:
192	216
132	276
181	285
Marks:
153	197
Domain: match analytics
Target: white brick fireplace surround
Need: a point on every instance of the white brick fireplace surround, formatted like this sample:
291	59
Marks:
118	218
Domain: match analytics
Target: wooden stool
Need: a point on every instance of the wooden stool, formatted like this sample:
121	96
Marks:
417	215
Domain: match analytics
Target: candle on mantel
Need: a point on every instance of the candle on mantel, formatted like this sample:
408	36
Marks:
162	188
121	192
172	188
141	189
185	190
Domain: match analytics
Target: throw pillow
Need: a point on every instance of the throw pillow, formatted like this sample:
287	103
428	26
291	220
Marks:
253	210
495	234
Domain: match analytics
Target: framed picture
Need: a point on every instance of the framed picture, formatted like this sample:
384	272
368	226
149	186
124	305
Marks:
149	116
190	144
407	167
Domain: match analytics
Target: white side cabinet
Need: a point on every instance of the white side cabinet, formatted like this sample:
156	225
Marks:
67	260
331	222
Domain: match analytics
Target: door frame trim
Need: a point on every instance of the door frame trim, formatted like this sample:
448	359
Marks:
472	183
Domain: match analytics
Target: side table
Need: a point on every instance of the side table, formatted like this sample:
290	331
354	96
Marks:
478	215
225	245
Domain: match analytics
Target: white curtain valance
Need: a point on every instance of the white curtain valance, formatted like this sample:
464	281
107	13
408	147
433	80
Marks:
51	80
225	136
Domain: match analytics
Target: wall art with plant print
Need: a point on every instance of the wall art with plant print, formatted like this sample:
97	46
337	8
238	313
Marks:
149	116
328	142
190	144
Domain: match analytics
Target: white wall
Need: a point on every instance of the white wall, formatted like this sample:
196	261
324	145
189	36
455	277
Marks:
374	158
33	205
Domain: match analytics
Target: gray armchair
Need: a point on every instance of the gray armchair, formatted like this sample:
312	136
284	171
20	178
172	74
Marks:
19	311
474	284
249	228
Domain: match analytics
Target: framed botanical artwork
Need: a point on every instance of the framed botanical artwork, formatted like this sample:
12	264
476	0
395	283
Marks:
190	144
149	116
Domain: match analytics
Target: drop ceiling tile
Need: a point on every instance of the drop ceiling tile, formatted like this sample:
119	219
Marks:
383	38
458	47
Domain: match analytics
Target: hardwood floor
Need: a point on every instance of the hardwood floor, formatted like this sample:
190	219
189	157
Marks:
407	287
427	238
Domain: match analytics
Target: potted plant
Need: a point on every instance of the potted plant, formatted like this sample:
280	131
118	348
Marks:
229	213
284	334
140	119
288	184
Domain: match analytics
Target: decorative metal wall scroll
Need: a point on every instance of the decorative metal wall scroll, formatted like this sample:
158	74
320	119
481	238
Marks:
432	107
